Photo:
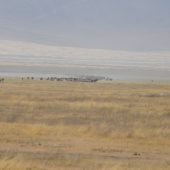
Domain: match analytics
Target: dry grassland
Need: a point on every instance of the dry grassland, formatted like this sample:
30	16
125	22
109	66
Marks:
84	126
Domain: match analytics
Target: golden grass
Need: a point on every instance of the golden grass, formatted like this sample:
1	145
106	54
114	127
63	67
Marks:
64	125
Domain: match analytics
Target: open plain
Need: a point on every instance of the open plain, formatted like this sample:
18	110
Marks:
47	125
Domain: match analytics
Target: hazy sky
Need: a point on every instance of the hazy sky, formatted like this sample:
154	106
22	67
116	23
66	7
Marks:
138	25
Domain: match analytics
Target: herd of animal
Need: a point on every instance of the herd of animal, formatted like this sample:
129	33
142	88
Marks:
63	79
81	79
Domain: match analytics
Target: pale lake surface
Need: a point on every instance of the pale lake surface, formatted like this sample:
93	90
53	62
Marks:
130	69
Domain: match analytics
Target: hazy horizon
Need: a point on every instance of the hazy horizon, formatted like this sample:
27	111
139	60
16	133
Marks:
125	40
31	59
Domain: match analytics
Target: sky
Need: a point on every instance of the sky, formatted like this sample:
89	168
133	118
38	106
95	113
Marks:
130	25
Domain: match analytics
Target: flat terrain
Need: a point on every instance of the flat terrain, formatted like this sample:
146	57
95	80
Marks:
48	125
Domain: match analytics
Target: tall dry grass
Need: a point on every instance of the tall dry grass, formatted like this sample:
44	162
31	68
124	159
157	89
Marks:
65	125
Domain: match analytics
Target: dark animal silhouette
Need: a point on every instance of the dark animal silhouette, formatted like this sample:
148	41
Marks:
2	80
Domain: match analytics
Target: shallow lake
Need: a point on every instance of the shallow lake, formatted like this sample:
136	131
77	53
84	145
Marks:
137	69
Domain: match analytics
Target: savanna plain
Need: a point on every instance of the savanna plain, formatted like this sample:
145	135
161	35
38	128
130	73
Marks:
49	125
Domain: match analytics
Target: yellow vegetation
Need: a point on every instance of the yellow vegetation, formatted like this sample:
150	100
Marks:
48	125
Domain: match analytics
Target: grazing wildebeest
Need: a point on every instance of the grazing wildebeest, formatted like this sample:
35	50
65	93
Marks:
52	78
2	80
59	79
41	78
22	78
94	80
32	78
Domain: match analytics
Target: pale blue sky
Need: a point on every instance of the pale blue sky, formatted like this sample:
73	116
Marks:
135	25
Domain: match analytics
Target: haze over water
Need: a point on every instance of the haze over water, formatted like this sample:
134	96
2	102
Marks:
30	59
